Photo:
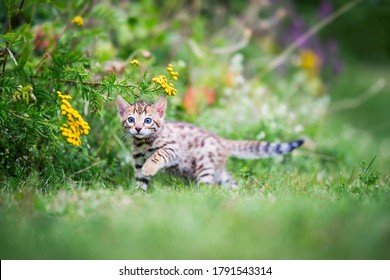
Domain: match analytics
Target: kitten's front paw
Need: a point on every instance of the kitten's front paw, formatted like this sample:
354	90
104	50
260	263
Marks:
141	186
149	170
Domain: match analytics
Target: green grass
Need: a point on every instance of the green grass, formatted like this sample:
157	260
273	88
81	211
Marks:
194	223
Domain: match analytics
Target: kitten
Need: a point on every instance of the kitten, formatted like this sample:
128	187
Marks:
182	148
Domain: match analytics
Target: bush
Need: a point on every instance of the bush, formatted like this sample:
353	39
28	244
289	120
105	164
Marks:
51	79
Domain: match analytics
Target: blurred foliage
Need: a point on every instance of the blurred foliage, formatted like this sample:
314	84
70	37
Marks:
246	70
362	34
364	46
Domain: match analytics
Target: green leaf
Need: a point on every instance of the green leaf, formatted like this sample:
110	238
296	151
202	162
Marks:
22	36
106	13
8	85
11	6
59	4
66	57
24	55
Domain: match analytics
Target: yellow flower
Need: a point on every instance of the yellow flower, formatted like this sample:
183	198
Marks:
172	73
76	126
134	62
60	95
78	20
169	88
309	61
163	82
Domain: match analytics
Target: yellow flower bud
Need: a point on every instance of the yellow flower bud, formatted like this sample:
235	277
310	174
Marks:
134	62
78	20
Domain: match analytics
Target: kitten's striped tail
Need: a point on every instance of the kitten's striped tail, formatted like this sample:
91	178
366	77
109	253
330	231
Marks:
256	149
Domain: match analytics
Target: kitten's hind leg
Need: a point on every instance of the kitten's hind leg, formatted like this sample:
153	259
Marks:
208	180
206	175
227	180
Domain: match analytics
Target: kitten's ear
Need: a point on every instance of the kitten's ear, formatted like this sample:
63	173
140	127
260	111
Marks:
160	105
122	106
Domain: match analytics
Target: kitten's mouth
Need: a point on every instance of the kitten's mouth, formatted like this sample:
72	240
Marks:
139	135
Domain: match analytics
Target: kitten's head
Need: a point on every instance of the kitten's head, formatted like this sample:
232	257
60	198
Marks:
141	119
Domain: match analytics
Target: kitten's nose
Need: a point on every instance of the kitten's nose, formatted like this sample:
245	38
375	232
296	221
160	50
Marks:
138	129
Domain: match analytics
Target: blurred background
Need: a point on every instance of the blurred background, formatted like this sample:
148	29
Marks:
364	50
272	70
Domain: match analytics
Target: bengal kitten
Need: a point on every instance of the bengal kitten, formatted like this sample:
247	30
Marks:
182	148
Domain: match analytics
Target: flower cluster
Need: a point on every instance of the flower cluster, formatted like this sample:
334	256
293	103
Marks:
76	126
78	20
169	88
173	74
163	82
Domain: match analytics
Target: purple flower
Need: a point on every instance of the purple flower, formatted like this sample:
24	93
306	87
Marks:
325	9
326	51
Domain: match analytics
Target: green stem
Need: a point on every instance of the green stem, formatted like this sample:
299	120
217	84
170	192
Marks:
8	30
5	57
21	6
369	166
97	84
28	119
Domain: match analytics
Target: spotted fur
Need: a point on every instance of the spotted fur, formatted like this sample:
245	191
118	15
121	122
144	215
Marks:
184	149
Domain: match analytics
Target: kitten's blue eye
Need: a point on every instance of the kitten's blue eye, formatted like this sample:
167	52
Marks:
147	120
131	120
